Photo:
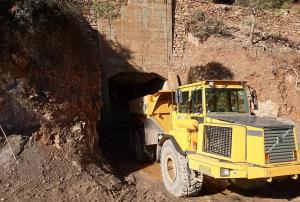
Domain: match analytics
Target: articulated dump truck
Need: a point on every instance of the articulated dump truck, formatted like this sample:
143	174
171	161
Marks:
209	128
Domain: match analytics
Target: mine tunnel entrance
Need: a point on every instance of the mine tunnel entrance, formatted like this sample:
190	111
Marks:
123	88
128	86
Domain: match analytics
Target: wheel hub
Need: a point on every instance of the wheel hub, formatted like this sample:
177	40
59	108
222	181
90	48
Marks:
171	169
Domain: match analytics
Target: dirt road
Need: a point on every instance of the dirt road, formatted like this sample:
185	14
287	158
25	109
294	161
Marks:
44	173
287	190
149	176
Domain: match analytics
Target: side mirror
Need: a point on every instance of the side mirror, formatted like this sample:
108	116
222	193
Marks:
254	100
178	97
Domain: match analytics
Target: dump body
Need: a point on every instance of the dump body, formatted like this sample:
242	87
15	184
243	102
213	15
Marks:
211	124
155	113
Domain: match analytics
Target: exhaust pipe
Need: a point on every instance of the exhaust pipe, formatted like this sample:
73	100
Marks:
270	180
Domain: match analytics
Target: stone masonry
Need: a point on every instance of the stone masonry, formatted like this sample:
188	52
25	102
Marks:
235	18
139	39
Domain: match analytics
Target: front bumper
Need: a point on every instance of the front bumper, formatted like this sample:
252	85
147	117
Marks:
212	167
278	171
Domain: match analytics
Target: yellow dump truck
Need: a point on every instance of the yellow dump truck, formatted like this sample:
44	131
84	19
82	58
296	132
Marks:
209	128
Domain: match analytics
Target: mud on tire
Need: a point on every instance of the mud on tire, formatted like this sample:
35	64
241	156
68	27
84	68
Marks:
178	179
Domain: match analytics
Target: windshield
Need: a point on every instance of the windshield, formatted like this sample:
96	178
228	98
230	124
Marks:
226	100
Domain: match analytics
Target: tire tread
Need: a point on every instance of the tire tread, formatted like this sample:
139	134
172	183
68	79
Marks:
185	185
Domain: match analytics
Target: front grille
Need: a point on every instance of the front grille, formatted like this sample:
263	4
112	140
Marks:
280	144
217	140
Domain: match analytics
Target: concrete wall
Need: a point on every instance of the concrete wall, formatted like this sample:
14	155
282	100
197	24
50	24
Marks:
139	39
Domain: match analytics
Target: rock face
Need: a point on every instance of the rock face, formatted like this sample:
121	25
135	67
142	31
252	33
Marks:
225	59
275	26
50	81
271	64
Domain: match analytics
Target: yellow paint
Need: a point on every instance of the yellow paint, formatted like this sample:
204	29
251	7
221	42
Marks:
189	124
198	162
255	148
182	138
239	144
193	142
259	172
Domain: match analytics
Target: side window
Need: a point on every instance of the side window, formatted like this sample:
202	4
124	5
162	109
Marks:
234	101
196	102
184	106
242	105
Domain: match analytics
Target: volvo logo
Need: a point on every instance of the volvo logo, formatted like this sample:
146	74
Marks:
279	140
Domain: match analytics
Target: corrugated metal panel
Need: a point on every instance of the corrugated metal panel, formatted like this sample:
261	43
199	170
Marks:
280	144
218	140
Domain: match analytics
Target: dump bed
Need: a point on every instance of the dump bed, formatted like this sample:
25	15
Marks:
157	107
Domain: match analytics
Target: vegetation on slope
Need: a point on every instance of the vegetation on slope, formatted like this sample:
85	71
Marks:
49	50
203	26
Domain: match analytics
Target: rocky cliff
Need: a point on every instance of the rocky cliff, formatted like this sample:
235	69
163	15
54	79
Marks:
270	64
50	75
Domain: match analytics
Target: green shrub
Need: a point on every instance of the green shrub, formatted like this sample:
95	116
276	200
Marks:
265	4
203	26
105	9
29	13
277	37
276	3
243	3
223	1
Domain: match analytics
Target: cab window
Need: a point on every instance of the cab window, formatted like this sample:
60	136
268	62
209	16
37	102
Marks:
226	100
184	106
196	101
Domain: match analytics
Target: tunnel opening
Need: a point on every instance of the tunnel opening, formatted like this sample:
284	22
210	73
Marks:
122	88
128	86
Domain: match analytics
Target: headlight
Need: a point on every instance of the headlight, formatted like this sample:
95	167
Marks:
224	172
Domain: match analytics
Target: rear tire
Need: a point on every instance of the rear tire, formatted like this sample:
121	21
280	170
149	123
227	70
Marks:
142	153
178	179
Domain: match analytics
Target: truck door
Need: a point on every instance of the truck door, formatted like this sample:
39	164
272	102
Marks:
196	112
190	107
183	108
181	113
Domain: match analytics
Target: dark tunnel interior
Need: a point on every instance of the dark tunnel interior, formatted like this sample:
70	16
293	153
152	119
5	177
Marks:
123	88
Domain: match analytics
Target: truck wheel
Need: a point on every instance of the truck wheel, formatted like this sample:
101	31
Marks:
178	179
142	152
245	184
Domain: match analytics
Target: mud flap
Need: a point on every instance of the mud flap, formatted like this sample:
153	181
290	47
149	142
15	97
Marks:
161	142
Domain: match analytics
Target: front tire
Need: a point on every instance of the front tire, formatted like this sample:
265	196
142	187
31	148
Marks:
178	179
